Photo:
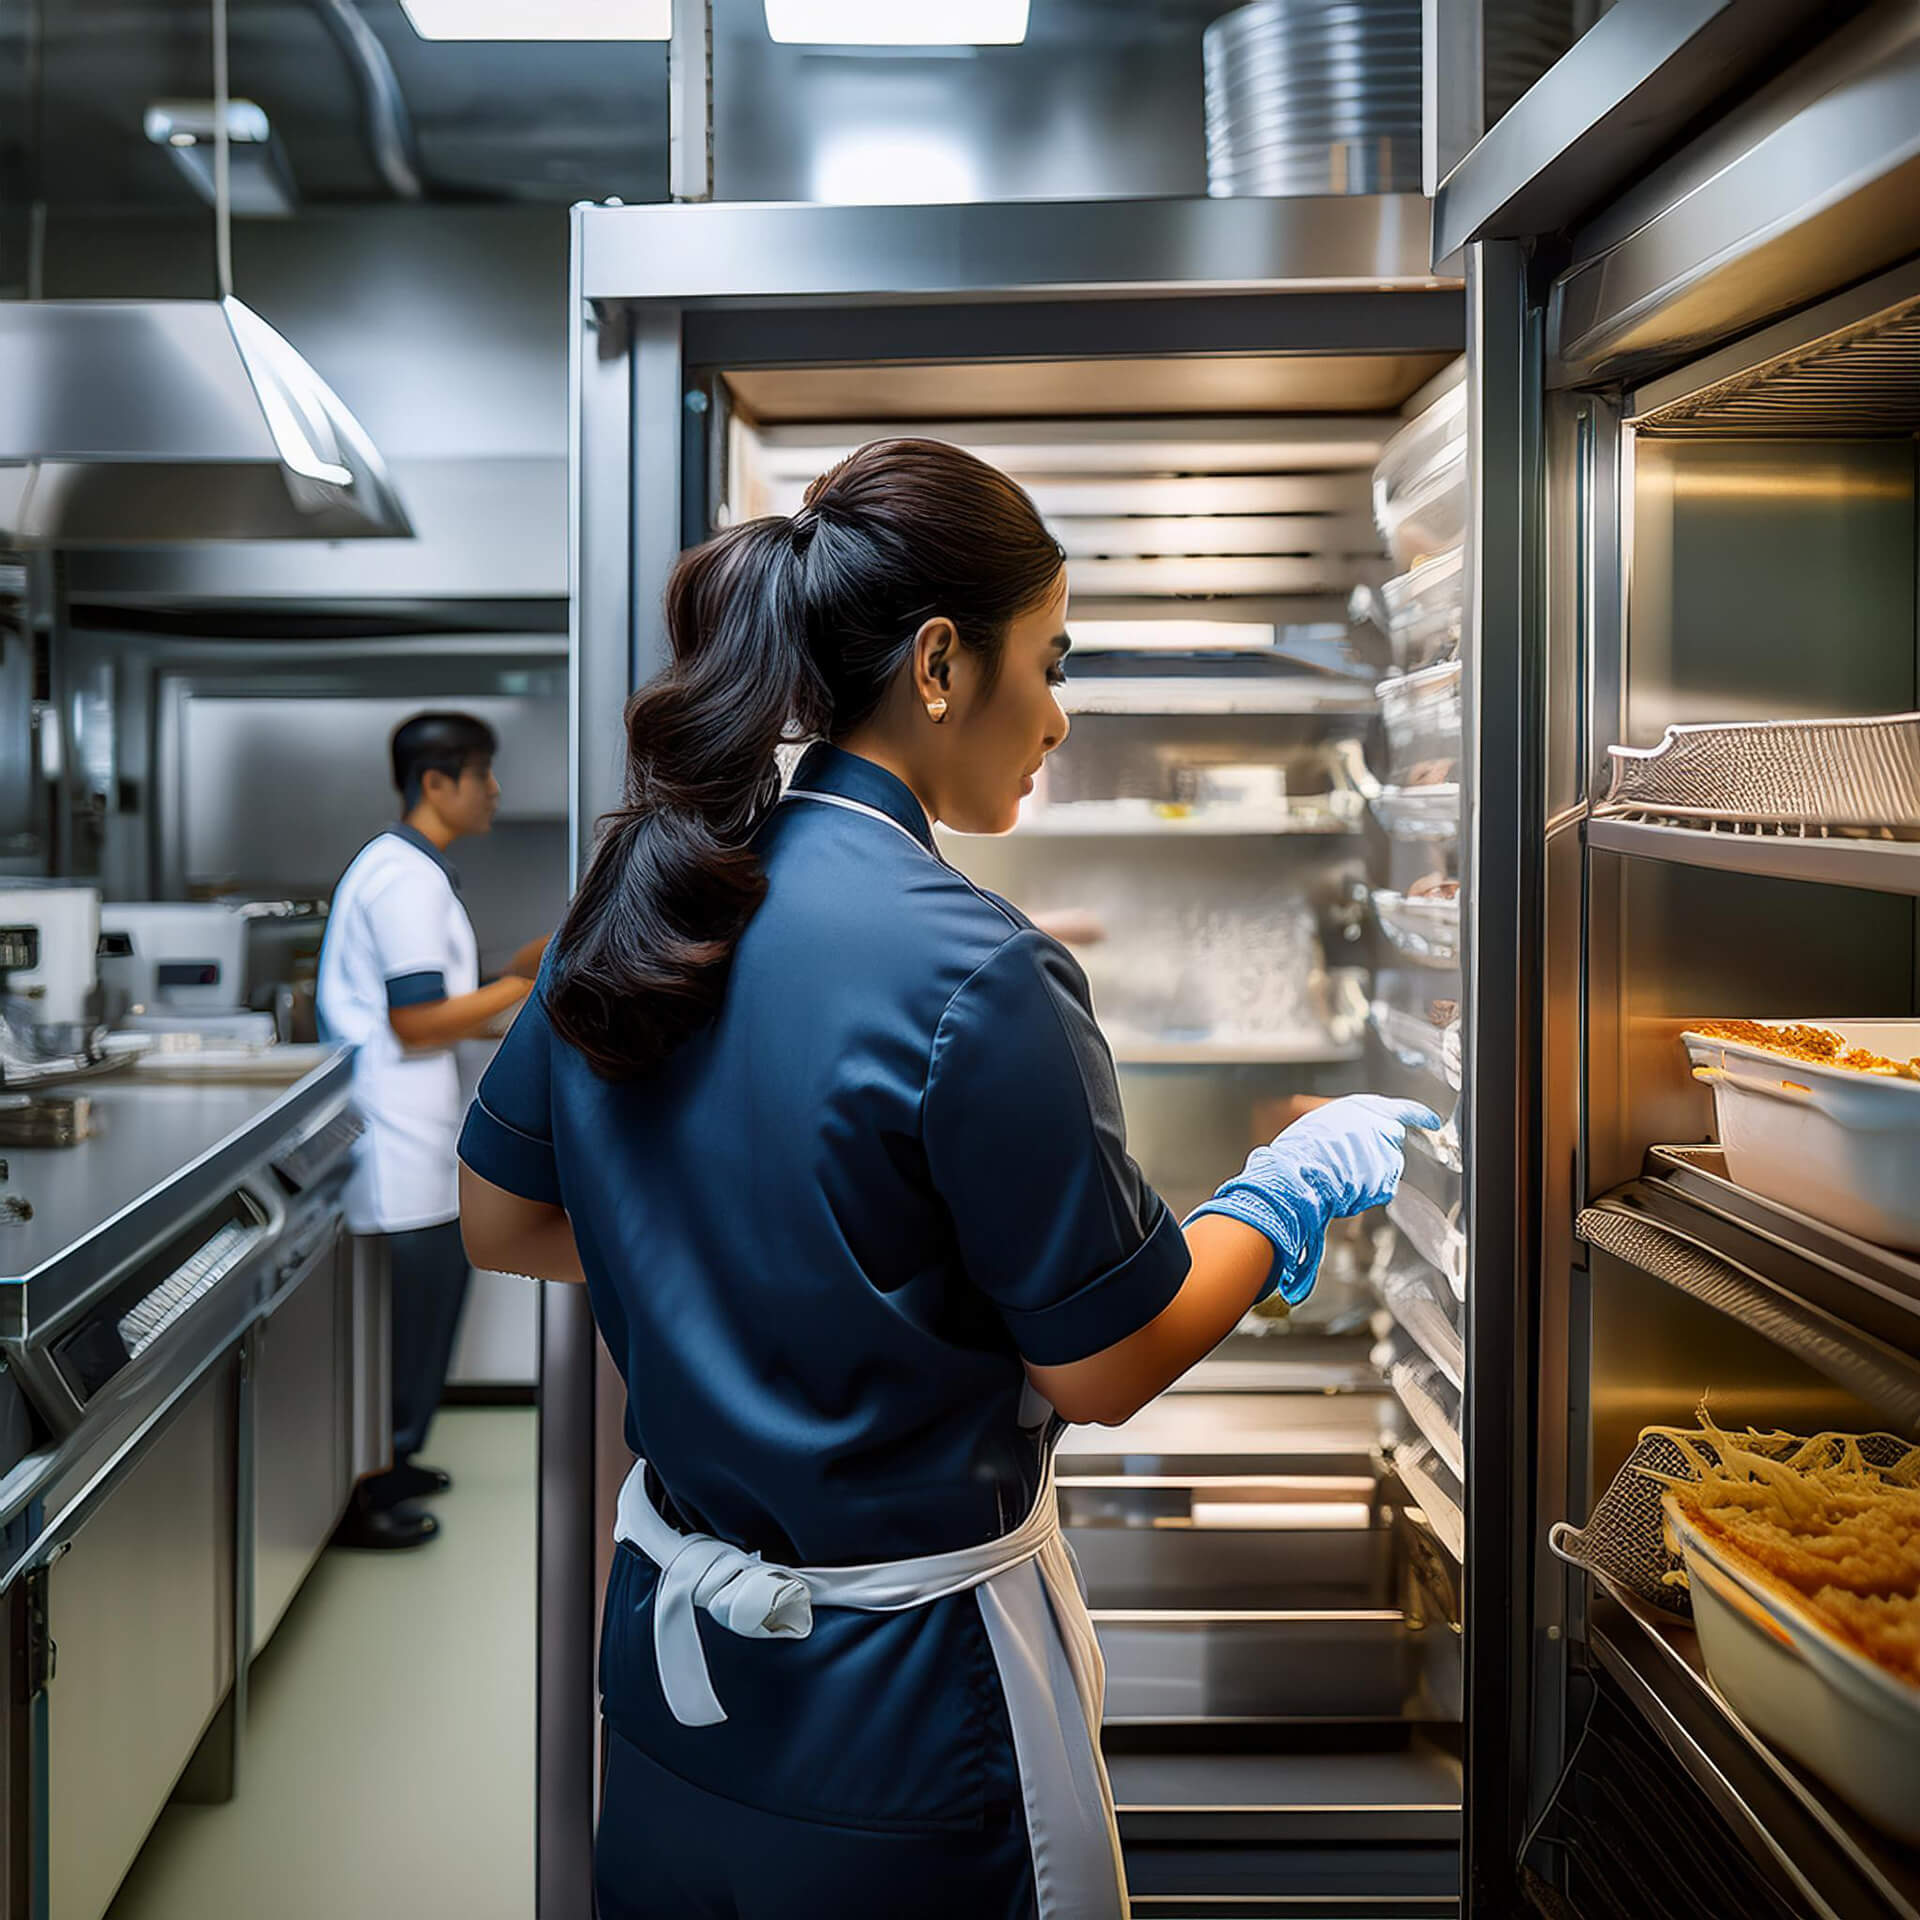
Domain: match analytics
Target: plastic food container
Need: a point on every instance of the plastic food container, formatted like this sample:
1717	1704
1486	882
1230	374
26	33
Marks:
1434	1233
1799	1684
1840	1146
1425	927
1420	481
1430	1482
1424	610
1419	813
1434	1408
1421	713
1418	1042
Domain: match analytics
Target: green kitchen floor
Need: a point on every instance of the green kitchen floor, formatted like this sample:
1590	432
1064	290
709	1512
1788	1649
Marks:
389	1764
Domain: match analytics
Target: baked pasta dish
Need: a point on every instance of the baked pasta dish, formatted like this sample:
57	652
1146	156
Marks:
1819	1522
1818	1045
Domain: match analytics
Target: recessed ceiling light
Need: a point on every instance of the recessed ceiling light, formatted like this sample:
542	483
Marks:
540	19
898	23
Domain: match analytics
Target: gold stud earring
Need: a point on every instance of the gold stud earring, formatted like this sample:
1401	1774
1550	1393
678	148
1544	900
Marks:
936	711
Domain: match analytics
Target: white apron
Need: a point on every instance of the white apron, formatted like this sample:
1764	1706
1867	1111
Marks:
1029	1596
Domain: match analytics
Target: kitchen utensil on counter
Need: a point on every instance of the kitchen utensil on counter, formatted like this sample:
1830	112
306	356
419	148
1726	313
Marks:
38	1121
1836	1144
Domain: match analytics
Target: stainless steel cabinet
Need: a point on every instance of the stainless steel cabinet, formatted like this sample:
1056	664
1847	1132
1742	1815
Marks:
303	1406
139	1609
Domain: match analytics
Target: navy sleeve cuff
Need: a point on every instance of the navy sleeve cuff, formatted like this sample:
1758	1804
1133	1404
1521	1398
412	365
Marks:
1109	1307
516	1161
416	989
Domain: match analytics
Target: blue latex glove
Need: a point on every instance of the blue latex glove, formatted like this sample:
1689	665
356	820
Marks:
1339	1159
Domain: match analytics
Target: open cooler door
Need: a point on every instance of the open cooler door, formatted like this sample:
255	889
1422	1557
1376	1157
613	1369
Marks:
1695	692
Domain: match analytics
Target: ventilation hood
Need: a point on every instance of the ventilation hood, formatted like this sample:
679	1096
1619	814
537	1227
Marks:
134	422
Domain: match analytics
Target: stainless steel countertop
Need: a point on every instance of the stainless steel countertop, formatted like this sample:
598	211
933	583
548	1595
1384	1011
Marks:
162	1149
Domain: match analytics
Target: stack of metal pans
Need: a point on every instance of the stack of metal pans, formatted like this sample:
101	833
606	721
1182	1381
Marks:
1314	96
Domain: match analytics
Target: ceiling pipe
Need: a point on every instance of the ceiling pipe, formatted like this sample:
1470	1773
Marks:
389	125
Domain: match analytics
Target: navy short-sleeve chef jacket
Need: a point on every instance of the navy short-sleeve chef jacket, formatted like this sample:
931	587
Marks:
819	1241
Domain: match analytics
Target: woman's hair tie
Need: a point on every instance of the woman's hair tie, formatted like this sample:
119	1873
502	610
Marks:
801	527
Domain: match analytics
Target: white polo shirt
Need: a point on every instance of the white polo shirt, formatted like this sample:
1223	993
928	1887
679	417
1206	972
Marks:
397	936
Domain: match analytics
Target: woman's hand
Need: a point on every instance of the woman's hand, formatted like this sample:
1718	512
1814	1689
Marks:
1340	1159
1264	1229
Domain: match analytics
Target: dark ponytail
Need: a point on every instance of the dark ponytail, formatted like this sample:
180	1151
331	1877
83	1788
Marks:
782	630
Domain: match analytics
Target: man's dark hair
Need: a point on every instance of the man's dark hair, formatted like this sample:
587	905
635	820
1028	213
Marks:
446	743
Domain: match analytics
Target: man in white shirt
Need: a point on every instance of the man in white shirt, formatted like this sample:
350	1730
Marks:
399	982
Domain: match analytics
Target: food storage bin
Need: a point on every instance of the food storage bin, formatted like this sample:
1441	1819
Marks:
1420	481
1796	1682
1423	611
1427	1478
1841	1146
1425	927
1434	1233
1421	713
1419	813
1419	1042
1434	1407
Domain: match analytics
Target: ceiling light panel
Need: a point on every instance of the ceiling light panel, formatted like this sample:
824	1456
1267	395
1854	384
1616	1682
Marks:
898	23
540	19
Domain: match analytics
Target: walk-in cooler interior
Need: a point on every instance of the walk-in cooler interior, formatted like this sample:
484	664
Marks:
1279	1613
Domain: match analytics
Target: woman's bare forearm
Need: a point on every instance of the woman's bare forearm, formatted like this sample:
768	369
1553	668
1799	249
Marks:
505	1234
1231	1264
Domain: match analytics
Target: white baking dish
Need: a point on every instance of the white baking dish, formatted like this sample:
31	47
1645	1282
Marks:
1843	1147
1799	1684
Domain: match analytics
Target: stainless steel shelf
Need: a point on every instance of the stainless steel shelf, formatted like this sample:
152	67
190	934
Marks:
1885	866
1848	1308
1785	1818
1059	823
1299	1798
1231	1053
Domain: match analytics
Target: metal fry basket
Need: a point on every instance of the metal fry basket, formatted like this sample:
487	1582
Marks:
1849	776
1625	1540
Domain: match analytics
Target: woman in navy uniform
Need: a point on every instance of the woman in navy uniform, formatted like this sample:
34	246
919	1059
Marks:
833	1140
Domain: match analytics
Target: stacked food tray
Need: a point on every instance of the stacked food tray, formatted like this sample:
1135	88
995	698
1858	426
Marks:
1420	504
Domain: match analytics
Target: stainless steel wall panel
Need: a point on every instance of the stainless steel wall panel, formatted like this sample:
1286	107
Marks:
1769	578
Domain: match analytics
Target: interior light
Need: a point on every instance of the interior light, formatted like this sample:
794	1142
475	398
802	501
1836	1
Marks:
1172	636
540	19
876	166
897	23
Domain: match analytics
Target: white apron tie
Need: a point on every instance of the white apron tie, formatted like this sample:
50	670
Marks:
1043	1644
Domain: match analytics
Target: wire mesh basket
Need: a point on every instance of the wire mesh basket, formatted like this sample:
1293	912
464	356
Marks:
1850	776
1625	1538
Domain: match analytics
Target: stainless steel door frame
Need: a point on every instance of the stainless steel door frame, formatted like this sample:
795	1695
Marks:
1502	876
659	293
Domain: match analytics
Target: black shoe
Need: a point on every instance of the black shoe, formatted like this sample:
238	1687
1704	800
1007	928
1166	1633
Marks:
384	1529
408	1481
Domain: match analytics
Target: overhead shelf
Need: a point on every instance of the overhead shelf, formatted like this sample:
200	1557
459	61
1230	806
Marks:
1886	866
1232	1053
1120	820
1848	1308
1252	693
1785	1818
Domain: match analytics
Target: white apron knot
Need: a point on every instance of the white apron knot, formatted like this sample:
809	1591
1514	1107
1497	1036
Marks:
742	1592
